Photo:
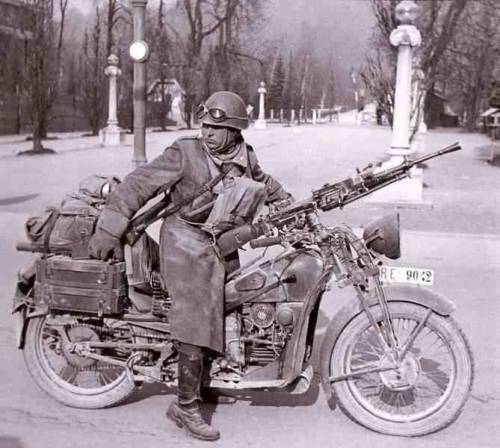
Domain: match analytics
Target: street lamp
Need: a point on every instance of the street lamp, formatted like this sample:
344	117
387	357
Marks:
261	120
139	52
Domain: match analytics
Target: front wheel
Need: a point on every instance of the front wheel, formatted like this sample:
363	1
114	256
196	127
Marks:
74	380
419	394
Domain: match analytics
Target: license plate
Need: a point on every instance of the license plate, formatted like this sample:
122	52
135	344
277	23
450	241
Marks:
398	274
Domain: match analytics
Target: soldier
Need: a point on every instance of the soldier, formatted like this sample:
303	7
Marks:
191	266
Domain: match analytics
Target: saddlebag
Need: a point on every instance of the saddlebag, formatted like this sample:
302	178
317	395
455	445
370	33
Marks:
82	286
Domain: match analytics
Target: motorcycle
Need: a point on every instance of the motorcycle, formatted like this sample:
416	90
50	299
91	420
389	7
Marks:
394	359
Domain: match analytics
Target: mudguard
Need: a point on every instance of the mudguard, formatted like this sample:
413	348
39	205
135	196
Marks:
21	318
22	309
20	321
394	293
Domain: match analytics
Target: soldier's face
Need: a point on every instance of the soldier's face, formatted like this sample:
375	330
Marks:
216	137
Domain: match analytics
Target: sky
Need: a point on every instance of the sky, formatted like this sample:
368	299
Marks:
343	26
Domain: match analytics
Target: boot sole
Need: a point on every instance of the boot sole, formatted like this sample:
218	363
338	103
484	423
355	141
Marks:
181	425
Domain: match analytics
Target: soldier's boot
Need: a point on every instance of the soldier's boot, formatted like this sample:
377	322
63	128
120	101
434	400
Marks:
185	412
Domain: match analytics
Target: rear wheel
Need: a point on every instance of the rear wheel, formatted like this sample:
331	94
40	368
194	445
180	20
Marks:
423	392
74	380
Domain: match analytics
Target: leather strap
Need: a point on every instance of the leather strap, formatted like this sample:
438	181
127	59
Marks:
175	208
51	222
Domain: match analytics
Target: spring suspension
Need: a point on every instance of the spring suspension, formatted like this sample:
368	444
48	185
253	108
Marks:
161	301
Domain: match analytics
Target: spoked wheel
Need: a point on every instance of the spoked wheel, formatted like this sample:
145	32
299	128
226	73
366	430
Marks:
420	393
75	380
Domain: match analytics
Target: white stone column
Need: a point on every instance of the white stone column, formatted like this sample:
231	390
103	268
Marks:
405	37
271	115
261	121
112	135
292	116
314	116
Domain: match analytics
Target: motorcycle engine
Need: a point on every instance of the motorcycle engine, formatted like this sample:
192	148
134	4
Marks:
257	334
272	294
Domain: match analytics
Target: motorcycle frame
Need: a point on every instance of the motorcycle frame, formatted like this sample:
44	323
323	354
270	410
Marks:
336	252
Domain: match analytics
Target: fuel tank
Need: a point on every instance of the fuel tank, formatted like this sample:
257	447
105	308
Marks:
287	278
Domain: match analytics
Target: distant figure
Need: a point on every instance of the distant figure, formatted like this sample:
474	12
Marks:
378	114
250	112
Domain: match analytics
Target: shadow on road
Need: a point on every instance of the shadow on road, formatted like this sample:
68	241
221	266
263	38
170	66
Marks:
213	398
10	442
148	390
18	199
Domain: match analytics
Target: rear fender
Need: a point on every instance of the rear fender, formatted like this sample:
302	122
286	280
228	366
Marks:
23	308
21	316
20	321
394	293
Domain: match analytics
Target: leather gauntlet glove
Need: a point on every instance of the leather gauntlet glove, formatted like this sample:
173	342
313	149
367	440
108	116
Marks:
103	246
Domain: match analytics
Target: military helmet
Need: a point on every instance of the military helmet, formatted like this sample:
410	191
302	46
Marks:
224	109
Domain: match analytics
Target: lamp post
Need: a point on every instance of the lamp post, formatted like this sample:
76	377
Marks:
112	135
261	121
139	52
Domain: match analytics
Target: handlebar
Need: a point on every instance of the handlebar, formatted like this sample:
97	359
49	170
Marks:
265	242
25	246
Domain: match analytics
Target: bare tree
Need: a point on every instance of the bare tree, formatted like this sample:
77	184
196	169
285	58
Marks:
468	63
379	78
43	64
92	83
160	62
11	76
63	5
114	9
276	84
290	87
204	19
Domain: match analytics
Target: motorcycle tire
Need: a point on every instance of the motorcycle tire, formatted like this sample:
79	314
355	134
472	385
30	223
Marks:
426	397
50	381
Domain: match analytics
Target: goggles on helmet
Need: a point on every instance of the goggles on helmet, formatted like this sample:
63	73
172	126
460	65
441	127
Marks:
216	114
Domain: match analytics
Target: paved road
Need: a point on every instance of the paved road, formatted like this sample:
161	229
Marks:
464	253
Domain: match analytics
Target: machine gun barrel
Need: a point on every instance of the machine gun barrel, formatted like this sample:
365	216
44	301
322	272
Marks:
337	195
451	148
405	166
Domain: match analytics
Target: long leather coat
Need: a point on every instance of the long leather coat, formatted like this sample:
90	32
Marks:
191	268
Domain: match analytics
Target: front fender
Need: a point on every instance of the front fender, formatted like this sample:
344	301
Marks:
394	293
438	303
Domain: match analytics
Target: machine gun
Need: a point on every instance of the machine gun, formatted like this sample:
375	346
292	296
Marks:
325	198
367	181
